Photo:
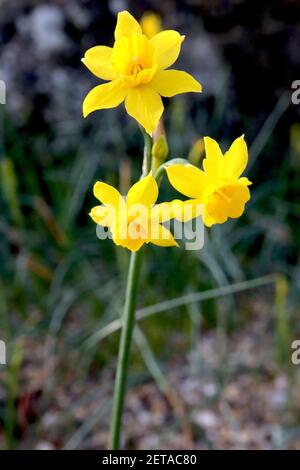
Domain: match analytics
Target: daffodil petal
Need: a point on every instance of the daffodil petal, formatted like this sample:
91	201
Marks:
108	95
126	25
236	159
145	105
102	215
213	163
166	211
244	181
143	192
98	61
172	82
167	44
108	195
134	245
188	180
183	211
129	243
208	220
161	236
191	209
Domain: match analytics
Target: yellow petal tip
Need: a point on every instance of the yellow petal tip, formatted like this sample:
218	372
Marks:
198	87
85	113
95	187
122	13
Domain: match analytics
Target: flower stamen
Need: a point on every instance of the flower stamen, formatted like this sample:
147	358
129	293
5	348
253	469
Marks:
136	67
221	192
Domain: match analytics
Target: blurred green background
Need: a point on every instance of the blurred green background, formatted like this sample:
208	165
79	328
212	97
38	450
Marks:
209	370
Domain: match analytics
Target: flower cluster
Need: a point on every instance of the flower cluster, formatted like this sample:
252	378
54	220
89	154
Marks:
137	71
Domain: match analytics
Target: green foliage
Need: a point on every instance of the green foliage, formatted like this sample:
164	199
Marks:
60	284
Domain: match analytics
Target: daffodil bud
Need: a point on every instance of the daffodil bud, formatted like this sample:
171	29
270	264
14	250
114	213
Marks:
160	151
295	145
9	185
196	152
150	24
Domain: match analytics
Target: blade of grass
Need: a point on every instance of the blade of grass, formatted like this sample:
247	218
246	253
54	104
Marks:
179	302
267	129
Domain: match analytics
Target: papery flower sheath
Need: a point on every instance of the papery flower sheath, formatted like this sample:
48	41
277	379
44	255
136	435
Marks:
135	68
220	187
135	220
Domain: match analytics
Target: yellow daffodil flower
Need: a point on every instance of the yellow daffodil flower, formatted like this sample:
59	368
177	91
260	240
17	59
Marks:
219	187
135	220
150	24
135	68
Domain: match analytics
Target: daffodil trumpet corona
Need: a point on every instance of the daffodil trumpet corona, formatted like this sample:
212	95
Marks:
137	71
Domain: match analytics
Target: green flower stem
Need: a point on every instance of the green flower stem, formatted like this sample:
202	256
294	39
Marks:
128	322
160	172
124	349
147	152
